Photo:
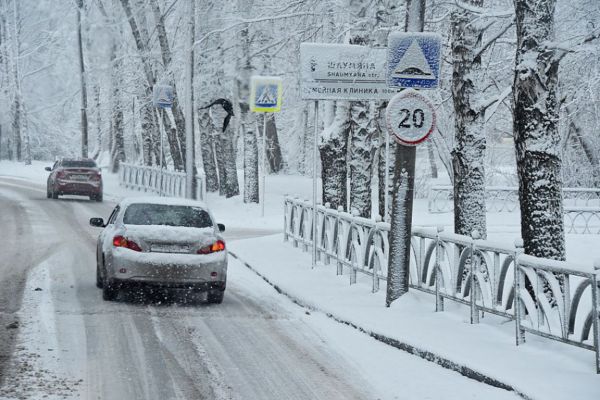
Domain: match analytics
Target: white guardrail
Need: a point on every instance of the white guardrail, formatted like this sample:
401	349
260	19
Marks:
150	179
553	299
581	211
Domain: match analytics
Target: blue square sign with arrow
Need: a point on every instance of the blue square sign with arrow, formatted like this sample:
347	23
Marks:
413	60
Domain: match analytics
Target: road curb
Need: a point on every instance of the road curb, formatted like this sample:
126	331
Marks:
403	346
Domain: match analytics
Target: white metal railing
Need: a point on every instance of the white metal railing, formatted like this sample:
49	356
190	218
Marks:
581	211
553	299
153	180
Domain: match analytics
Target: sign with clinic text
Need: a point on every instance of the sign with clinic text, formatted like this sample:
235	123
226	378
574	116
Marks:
343	72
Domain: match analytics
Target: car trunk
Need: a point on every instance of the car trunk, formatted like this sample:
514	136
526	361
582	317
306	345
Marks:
170	239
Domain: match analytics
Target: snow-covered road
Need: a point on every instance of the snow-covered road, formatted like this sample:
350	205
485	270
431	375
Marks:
256	345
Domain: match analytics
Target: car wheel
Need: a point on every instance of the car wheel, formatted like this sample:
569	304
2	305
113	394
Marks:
54	195
215	296
48	194
99	198
109	290
99	281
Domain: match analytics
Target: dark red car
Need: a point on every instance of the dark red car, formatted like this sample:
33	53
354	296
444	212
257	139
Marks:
75	176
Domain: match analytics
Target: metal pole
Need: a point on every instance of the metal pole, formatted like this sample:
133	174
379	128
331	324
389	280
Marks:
160	130
264	164
386	194
404	174
189	118
314	199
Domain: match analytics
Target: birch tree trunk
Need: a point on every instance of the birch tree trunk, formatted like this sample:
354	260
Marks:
251	185
229	182
361	158
468	155
333	148
82	77
274	157
176	108
537	140
117	143
206	128
150	126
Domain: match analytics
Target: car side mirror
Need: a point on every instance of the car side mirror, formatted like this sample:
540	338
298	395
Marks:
48	168
221	227
99	222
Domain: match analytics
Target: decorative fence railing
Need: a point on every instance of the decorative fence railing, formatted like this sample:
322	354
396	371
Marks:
582	205
152	179
556	300
506	199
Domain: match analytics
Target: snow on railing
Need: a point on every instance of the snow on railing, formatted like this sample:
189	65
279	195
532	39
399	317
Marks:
152	179
552	299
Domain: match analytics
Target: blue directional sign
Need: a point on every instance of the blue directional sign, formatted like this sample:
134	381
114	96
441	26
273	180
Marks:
162	96
413	60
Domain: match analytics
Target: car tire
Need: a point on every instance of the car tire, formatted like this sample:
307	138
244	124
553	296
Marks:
215	296
109	290
54	195
99	281
48	194
98	198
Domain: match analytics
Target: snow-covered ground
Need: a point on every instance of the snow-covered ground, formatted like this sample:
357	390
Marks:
541	369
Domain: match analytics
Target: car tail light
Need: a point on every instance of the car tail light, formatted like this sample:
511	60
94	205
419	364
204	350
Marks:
219	245
122	241
96	177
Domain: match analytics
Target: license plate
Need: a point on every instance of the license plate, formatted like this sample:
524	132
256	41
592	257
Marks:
170	248
79	177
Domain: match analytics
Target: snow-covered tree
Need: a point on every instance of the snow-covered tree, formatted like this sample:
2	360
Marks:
536	134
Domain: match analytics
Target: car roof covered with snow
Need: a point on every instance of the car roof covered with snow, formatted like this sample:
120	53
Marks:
162	200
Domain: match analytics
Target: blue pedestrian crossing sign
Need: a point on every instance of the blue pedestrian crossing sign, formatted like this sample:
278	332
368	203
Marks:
413	60
162	96
265	93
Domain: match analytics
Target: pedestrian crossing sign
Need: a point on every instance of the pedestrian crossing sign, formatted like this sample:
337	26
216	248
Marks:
265	93
413	60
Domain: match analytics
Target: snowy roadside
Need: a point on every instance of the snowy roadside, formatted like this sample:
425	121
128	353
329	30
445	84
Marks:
540	369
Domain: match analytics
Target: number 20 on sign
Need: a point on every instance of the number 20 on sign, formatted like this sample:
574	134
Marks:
410	117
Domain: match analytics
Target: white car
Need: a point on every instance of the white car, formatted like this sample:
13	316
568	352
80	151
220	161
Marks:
172	243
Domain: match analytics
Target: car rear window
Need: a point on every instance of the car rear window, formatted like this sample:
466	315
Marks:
164	214
79	164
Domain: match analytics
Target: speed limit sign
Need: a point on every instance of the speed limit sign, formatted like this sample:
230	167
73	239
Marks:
410	117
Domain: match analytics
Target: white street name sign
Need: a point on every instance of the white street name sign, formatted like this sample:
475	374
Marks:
343	72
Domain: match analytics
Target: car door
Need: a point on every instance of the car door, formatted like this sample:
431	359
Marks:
52	176
105	237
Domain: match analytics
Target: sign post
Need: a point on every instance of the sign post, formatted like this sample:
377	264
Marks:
340	72
162	97
265	97
413	62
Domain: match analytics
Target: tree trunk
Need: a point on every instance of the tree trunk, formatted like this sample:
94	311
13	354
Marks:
206	147
251	185
431	157
178	116
229	182
333	151
82	78
468	155
250	165
381	174
537	140
361	161
274	157
118	150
